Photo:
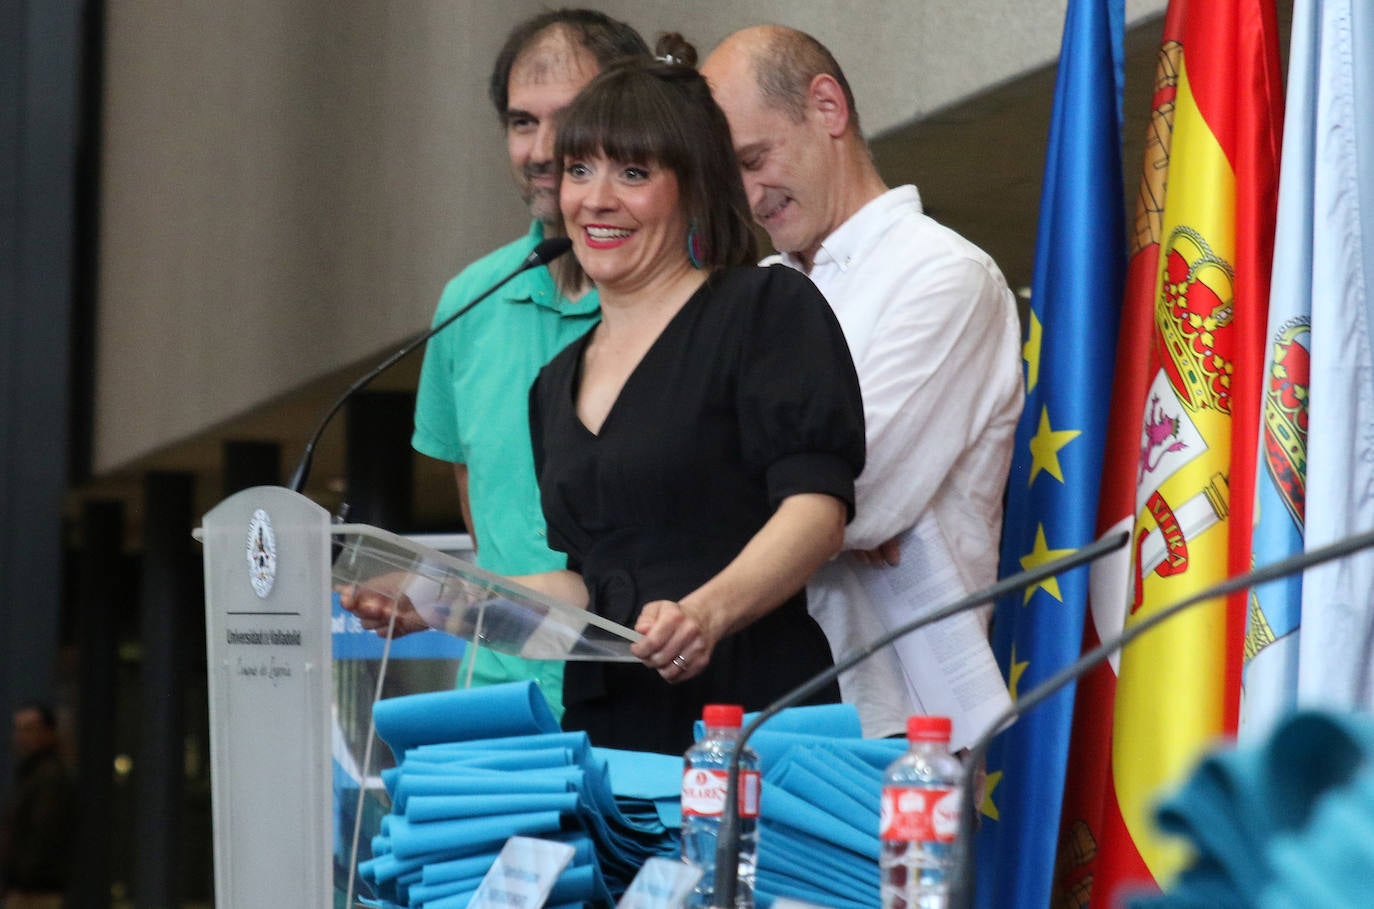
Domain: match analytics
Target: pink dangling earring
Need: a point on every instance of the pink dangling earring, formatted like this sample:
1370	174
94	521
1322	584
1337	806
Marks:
693	246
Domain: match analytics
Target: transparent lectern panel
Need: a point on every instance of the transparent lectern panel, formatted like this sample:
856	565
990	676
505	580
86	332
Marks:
367	668
471	603
452	595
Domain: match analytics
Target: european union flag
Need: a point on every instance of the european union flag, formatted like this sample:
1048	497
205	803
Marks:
1052	495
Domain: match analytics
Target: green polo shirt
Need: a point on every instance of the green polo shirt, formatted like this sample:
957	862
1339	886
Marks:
472	408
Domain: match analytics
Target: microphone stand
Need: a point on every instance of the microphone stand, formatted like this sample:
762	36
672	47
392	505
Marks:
963	891
543	254
727	843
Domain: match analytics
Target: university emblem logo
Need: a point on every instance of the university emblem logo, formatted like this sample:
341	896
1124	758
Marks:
262	553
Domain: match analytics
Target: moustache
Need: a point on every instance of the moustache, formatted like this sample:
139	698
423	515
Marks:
544	169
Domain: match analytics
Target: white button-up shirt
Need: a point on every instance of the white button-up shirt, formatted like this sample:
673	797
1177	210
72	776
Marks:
935	338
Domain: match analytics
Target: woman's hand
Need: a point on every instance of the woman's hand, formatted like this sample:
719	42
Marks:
675	642
377	599
679	636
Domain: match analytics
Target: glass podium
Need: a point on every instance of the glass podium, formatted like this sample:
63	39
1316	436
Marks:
295	765
470	603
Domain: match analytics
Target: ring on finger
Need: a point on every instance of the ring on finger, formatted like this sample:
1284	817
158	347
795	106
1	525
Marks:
680	661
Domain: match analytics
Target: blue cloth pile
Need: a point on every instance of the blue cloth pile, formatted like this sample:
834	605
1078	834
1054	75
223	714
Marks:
479	766
476	767
1284	824
818	817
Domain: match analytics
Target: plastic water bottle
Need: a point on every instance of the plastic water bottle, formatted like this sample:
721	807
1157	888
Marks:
704	779
920	818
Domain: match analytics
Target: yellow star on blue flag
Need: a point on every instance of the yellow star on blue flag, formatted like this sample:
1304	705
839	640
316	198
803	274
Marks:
1045	445
1030	351
1016	670
989	807
1038	556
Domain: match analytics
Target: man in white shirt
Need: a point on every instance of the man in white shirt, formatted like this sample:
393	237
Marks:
934	334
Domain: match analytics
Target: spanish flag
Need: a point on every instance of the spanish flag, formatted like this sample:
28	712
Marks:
1181	444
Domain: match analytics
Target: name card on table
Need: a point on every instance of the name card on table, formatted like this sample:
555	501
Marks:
522	875
661	884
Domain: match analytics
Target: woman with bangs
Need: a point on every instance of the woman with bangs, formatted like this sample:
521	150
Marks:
696	451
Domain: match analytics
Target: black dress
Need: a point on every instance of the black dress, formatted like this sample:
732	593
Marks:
748	396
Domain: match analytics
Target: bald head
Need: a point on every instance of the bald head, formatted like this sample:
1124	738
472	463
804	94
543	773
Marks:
782	62
805	166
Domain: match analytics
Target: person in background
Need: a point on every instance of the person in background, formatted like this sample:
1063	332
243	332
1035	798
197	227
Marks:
934	334
471	407
696	450
40	818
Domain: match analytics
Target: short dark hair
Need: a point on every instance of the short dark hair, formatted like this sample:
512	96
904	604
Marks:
606	39
650	111
786	63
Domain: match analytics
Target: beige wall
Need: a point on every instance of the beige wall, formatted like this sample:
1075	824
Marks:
903	58
285	187
287	184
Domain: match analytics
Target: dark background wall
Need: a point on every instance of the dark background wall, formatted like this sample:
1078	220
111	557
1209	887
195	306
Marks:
41	131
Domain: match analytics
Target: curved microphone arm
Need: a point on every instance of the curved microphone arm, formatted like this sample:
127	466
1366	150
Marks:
543	254
963	891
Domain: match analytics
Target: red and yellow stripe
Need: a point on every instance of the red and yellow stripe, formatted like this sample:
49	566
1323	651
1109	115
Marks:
1191	349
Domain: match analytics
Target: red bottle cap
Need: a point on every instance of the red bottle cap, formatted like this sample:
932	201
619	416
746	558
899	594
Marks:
729	715
928	728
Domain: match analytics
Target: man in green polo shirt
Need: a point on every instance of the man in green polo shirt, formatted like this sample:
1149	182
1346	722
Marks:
472	406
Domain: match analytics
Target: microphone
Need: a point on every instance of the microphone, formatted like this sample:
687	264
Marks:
727	842
547	250
963	890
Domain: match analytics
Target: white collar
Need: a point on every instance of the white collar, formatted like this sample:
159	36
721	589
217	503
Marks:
861	230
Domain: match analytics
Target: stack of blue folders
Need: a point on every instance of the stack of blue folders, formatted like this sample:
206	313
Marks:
818	817
479	766
476	767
